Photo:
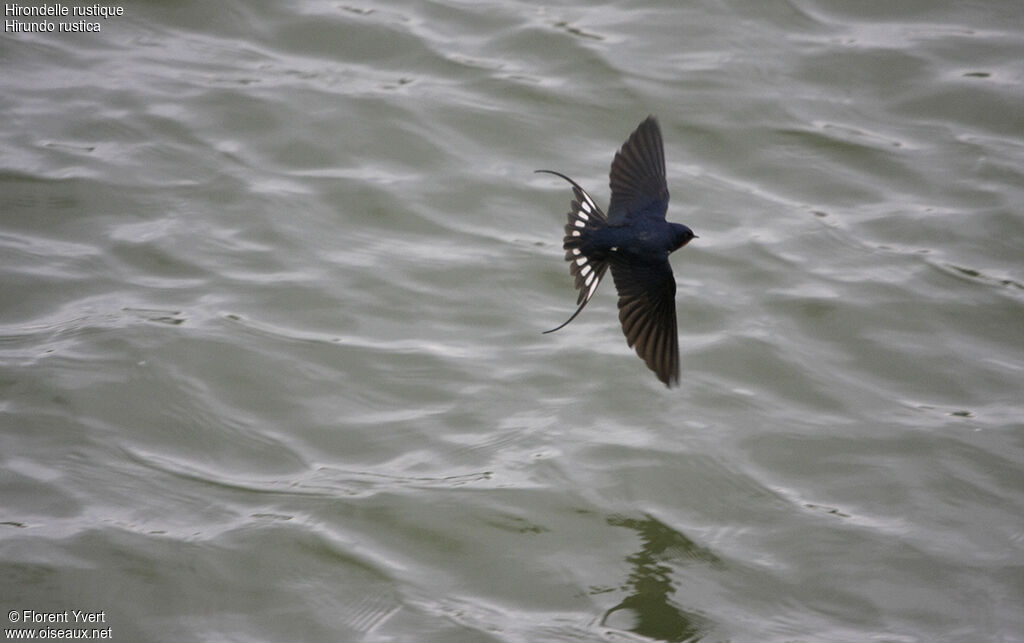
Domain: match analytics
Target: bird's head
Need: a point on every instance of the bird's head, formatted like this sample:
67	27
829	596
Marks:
683	236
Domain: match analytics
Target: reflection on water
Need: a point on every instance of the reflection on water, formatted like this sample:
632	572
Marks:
650	583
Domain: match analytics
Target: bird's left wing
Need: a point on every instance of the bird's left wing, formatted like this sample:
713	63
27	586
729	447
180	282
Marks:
637	177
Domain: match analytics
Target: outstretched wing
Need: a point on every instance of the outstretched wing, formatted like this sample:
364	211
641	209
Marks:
637	177
584	217
647	312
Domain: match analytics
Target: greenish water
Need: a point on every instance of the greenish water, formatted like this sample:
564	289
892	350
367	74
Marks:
272	285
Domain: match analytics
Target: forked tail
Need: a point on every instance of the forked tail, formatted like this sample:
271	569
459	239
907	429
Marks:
584	218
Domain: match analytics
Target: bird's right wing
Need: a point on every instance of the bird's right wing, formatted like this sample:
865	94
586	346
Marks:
647	312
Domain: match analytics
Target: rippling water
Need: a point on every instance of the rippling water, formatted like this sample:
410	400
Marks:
273	277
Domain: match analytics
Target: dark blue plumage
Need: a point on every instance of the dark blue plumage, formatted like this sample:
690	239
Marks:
634	240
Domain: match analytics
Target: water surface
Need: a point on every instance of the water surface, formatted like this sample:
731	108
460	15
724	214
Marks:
273	278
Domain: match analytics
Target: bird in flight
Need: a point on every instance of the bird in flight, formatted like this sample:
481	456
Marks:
634	240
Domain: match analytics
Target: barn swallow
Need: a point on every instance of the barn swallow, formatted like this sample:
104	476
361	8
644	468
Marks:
634	240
